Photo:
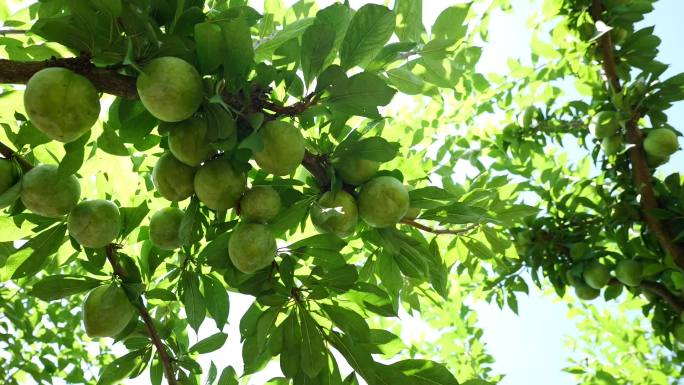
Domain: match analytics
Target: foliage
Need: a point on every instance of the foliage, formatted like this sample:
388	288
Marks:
497	198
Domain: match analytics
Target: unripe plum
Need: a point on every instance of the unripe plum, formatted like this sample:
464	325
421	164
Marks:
596	275
661	142
612	144
283	148
170	89
260	204
356	171
107	311
252	247
383	201
172	178
219	185
94	223
629	272
46	192
585	292
335	213
61	103
8	175
188	141
165	228
604	124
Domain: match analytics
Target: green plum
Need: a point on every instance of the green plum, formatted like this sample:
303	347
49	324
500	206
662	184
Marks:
629	272
165	228
9	175
585	292
260	204
94	223
661	142
61	103
335	213
596	275
46	192
655	160
383	201
604	124
283	148
107	311
170	89
356	171
252	247
172	178
219	185
188	141
612	144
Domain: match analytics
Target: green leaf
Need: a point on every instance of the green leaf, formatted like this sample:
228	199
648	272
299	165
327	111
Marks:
74	154
209	44
356	356
238	57
110	142
265	49
121	368
292	341
373	148
369	29
350	322
216	299
450	23
132	217
360	95
61	286
192	299
313	351
406	81
34	255
161	294
228	377
191	225
209	344
516	213
409	19
479	249
317	43
424	372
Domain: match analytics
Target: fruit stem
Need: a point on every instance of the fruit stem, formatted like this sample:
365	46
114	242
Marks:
147	319
429	229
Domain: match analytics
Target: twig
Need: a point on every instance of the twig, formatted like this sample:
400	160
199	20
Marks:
640	171
147	319
13	31
429	229
8	153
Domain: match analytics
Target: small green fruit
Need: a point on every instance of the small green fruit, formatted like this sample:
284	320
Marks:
661	142
412	212
604	124
596	275
8	175
283	148
584	292
219	185
107	311
44	191
612	144
172	178
578	251
260	204
571	279
61	103
165	228
94	223
526	118
335	213
618	35
356	171
629	272
252	247
383	201
170	89
188	141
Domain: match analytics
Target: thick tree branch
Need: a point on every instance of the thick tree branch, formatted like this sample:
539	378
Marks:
658	289
640	171
8	153
147	319
429	229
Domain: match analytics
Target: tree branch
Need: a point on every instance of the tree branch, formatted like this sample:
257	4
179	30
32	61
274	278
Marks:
429	229
640	171
147	319
8	153
13	31
659	290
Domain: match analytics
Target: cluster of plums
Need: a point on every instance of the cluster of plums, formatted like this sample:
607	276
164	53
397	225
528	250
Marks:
65	105
659	144
596	275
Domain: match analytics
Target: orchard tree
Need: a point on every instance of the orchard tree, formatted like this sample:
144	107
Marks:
166	153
